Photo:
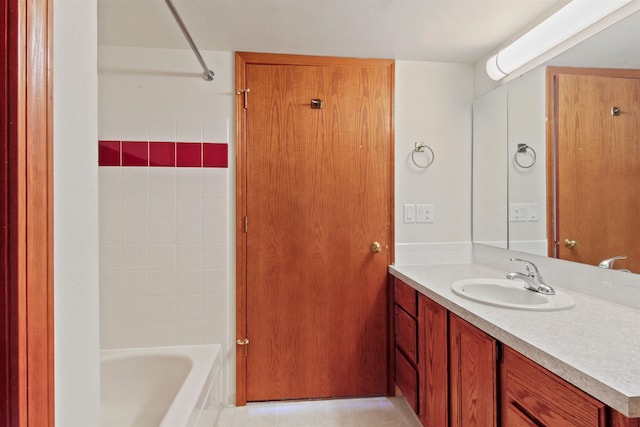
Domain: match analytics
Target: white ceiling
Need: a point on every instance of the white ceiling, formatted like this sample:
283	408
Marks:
423	30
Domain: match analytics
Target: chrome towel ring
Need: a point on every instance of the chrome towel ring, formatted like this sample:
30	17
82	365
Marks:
420	148
524	149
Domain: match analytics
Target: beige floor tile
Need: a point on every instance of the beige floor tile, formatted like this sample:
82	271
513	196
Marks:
369	412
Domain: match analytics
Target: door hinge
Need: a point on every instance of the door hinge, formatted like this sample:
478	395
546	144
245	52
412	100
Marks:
244	93
246	224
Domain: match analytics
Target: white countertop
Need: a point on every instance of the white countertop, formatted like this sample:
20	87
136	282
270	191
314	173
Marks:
594	345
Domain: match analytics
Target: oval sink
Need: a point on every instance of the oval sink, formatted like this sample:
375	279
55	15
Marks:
510	294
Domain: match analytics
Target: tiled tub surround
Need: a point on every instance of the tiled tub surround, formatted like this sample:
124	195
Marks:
163	255
593	346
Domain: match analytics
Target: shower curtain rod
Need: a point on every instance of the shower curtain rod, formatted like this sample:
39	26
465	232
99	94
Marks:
208	74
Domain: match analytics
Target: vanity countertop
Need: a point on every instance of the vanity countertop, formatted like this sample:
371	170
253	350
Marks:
594	345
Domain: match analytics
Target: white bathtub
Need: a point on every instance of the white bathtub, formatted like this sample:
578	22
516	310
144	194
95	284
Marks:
160	387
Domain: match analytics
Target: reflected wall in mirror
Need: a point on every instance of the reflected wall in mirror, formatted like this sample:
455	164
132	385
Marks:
494	198
489	169
509	202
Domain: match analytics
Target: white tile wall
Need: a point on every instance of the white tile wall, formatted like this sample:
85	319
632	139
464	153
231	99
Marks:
163	260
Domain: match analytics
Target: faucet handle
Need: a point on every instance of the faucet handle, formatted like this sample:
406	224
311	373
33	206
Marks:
608	263
528	265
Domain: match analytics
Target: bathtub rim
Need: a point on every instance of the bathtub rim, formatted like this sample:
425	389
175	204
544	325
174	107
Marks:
205	358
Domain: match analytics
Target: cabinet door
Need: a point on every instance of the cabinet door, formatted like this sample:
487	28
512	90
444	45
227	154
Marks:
432	366
472	373
545	399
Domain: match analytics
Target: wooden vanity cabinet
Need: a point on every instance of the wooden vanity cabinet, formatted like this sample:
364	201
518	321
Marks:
454	374
472	375
420	330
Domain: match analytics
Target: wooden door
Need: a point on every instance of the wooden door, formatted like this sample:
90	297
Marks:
315	192
472	376
598	168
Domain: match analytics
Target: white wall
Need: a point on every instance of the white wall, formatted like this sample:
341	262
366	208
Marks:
75	214
433	106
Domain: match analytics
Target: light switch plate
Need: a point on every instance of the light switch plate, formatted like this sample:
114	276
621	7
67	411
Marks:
532	212
409	214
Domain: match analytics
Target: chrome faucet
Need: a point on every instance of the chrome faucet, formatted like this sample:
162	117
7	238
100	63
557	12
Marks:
608	263
532	279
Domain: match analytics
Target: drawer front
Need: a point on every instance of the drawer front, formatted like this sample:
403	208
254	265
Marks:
545	397
514	417
406	297
406	334
407	380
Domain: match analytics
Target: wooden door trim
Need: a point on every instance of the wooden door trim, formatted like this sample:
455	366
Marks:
28	289
552	74
242	59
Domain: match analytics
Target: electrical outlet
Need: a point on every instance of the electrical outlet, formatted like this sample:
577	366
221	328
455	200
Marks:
518	212
425	214
409	214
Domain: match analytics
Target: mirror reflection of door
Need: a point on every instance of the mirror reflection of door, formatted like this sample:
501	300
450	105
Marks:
597	131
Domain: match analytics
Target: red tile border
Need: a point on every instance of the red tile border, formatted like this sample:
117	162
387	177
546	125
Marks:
163	154
108	153
135	153
215	155
189	154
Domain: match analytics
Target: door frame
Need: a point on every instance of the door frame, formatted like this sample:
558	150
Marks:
243	94
27	387
552	74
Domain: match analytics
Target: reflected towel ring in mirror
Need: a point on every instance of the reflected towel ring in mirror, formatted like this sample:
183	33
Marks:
419	148
524	148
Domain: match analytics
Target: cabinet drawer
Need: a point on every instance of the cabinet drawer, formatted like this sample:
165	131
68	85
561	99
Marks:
406	334
514	417
407	380
544	397
406	297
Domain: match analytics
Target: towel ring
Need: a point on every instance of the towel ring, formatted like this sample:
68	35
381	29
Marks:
419	148
524	148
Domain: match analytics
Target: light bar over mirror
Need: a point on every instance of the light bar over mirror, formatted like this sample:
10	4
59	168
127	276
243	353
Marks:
570	20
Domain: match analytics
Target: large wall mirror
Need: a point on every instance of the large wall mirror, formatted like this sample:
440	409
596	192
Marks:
511	205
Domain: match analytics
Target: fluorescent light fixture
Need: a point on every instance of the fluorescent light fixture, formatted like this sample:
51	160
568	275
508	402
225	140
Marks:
571	19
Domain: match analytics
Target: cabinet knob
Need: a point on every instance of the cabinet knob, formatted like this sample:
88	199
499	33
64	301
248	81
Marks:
375	247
